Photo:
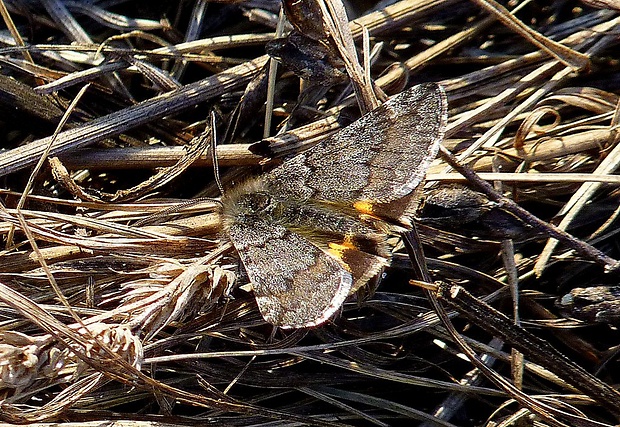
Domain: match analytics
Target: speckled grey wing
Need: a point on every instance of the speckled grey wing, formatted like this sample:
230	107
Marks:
381	157
295	283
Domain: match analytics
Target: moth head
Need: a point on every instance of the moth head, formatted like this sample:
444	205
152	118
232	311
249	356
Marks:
258	203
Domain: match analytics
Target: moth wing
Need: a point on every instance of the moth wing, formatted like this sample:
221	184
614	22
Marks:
296	284
380	158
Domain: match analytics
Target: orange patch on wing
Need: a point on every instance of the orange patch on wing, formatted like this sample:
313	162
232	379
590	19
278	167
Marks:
364	206
367	208
338	249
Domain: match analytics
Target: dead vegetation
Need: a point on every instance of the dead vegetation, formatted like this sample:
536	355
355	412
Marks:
120	303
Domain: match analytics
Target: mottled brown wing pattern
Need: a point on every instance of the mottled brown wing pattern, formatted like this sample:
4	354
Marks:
380	158
296	284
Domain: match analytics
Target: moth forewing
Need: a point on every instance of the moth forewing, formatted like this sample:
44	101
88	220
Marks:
377	159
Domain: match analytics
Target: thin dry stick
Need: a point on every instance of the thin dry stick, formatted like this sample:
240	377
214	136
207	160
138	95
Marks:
579	246
128	374
542	72
569	57
551	68
335	20
153	157
271	86
552	147
535	348
539	178
493	134
181	50
8	21
116	123
163	176
512	277
397	15
22	220
189	95
550	414
577	203
443	46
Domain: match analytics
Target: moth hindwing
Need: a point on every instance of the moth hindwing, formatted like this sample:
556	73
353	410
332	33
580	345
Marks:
311	230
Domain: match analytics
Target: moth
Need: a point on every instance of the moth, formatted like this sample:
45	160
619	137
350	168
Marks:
314	229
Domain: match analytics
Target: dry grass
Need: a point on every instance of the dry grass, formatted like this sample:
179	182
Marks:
119	300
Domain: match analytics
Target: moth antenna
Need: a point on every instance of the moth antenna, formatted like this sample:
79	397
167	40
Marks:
174	209
216	165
